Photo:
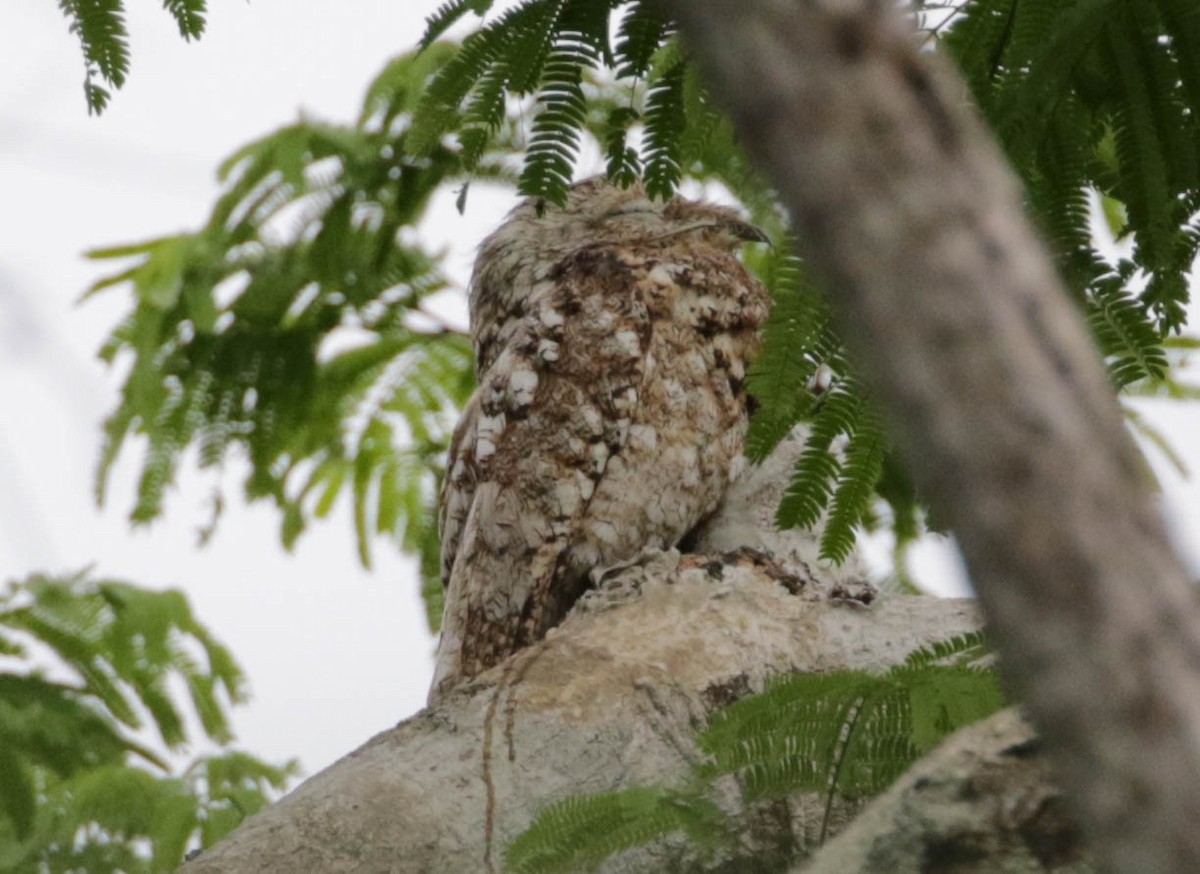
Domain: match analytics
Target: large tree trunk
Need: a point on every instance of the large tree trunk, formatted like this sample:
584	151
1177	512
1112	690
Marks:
994	392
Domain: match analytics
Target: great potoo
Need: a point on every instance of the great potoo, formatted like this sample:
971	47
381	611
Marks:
611	340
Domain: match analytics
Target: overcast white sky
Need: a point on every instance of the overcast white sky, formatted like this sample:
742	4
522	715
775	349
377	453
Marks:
334	653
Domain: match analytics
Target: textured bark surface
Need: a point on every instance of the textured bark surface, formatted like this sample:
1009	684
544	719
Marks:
614	698
982	803
611	698
993	389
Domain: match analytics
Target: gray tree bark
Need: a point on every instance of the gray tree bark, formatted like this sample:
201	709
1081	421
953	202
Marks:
982	803
612	698
994	393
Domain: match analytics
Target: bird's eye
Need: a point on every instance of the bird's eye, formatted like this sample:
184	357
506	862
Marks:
634	206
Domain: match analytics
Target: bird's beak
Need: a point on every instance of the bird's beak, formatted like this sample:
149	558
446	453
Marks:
748	232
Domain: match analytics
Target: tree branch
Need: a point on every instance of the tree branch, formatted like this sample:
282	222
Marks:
981	803
611	699
995	393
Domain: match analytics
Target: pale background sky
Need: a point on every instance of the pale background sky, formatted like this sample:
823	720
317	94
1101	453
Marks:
334	654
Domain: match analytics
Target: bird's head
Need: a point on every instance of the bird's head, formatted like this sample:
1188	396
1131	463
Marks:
598	212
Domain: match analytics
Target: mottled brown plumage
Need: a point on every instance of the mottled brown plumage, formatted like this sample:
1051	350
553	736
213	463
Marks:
611	340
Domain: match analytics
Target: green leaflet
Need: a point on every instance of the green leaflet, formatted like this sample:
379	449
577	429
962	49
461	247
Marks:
446	15
1134	350
104	40
234	335
1096	96
665	120
82	791
288	330
845	736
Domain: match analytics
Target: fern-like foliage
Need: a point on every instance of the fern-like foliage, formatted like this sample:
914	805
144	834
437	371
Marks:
545	50
287	330
1097	95
447	15
845	736
644	29
557	127
803	376
81	791
290	329
1118	320
665	120
1092	99
1181	353
851	732
100	28
578	833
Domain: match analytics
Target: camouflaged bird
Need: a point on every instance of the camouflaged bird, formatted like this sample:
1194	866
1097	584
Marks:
611	339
